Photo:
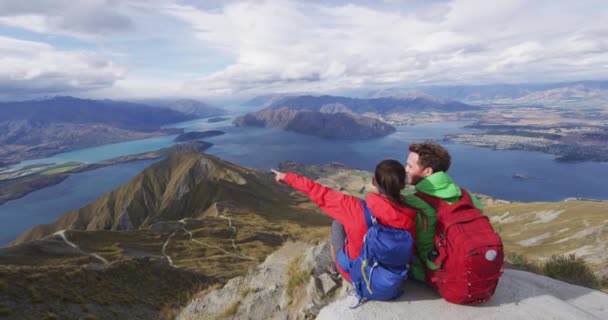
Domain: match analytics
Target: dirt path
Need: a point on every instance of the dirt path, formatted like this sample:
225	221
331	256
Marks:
230	226
61	233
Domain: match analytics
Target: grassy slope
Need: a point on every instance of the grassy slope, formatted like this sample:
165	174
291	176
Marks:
543	229
49	276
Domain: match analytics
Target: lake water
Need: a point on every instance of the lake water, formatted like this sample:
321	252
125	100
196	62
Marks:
109	151
481	170
46	205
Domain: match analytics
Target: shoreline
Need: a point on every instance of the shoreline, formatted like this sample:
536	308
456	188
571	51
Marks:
13	189
7	164
565	153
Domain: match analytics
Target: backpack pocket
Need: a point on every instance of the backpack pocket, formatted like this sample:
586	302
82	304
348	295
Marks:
375	282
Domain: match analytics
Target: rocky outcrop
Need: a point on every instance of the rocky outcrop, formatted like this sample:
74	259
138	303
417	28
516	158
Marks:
263	294
519	295
266	293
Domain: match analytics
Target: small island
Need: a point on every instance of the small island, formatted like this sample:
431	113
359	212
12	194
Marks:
194	135
217	119
324	125
523	176
520	176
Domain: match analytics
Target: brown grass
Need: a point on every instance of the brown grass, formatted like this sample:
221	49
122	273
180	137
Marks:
573	270
296	277
567	268
246	292
229	311
140	285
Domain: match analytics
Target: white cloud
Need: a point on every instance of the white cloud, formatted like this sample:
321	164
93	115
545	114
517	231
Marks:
80	19
286	45
281	45
28	67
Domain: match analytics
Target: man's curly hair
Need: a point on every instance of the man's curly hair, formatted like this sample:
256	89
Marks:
432	155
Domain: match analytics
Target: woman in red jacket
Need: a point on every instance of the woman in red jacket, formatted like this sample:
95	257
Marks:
349	227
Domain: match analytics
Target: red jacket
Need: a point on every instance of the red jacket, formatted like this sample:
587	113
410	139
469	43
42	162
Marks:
348	210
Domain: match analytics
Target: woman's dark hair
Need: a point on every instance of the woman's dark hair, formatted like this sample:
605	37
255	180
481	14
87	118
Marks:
390	179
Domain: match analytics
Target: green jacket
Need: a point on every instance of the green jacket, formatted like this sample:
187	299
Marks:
438	185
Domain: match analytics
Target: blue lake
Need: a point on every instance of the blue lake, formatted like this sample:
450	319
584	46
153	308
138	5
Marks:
46	205
109	151
481	170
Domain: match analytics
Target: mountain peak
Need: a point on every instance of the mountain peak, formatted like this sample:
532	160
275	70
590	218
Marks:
185	185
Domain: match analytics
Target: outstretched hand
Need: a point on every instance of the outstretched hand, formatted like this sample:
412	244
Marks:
278	176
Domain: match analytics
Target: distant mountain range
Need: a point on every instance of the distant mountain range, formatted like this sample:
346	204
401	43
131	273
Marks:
124	115
577	95
592	91
530	93
342	117
39	128
191	107
381	105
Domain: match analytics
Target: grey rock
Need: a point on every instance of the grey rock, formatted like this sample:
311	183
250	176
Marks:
327	284
269	299
313	294
318	257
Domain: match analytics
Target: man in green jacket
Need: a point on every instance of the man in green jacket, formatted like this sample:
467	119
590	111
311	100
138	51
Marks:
426	167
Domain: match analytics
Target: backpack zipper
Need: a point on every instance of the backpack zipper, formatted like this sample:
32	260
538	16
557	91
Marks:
365	279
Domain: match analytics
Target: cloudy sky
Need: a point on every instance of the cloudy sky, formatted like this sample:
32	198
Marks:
207	48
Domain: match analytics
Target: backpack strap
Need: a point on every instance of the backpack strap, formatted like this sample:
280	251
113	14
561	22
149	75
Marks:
432	201
370	219
466	197
435	202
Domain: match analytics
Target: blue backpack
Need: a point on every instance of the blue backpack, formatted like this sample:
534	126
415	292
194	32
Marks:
381	268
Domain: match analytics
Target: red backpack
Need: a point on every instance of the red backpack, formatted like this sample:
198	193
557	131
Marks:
470	252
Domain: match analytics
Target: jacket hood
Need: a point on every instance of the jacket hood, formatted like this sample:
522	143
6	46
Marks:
439	185
391	214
